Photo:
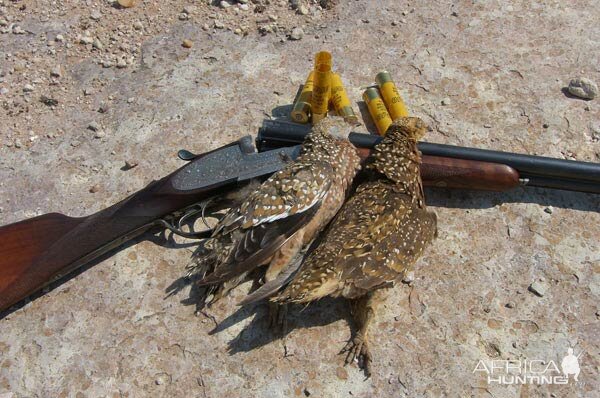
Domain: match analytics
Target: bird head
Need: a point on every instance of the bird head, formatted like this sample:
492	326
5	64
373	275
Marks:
406	128
334	126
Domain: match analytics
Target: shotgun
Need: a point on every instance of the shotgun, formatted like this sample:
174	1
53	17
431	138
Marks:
37	251
460	167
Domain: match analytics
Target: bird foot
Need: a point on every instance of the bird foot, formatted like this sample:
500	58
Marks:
357	349
278	318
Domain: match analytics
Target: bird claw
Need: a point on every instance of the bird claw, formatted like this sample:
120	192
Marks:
357	349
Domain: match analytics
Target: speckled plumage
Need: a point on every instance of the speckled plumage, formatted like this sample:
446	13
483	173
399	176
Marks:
282	215
378	234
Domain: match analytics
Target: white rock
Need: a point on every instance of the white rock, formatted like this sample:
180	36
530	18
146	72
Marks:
59	38
224	4
27	88
583	88
296	34
538	288
303	10
95	15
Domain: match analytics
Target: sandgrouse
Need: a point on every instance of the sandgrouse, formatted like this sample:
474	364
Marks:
374	240
281	217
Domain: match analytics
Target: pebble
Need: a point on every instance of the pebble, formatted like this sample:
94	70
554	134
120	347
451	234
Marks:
98	44
341	373
121	63
88	91
187	43
409	277
86	40
27	88
446	101
95	188
244	7
95	15
75	143
56	71
219	24
303	10
59	38
138	25
183	17
130	164
224	4
100	134
583	88
130	100
189	9
18	143
127	3
510	304
17	30
538	288
297	34
94	126
3	91
549	210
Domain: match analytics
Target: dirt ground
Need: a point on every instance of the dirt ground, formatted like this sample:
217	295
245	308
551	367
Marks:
86	86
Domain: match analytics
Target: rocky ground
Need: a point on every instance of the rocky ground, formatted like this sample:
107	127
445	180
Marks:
86	86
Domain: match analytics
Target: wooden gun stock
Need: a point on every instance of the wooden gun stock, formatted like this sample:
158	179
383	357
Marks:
39	250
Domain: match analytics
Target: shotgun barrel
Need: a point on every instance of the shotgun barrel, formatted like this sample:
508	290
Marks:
539	171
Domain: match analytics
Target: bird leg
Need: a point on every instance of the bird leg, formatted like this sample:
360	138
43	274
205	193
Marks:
278	318
363	310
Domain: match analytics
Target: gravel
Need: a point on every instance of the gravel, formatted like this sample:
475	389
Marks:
296	34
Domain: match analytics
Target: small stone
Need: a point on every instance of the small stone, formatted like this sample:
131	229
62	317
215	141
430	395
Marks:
187	43
59	38
510	304
18	143
100	134
183	16
549	210
365	20
189	9
296	34
3	22
130	100
243	1
545	125
244	7
395	23
341	373
538	288
3	91
95	15
583	88
224	4
107	64
127	3
75	143
409	277
121	63
98	44
17	30
88	91
130	164
237	31
27	88
95	188
302	10
273	18
56	71
86	40
219	24
446	101
138	25
94	126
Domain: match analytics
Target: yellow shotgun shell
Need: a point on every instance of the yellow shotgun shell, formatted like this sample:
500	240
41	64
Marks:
380	115
301	109
391	96
340	100
322	85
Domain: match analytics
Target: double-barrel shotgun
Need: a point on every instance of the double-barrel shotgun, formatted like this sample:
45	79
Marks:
37	251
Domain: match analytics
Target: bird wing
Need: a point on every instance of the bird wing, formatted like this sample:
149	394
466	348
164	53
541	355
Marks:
271	215
376	235
294	189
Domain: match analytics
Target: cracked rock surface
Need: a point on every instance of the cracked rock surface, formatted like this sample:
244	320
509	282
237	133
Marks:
483	74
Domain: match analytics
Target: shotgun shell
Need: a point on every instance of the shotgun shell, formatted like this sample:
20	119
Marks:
322	86
391	96
380	115
301	109
340	100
